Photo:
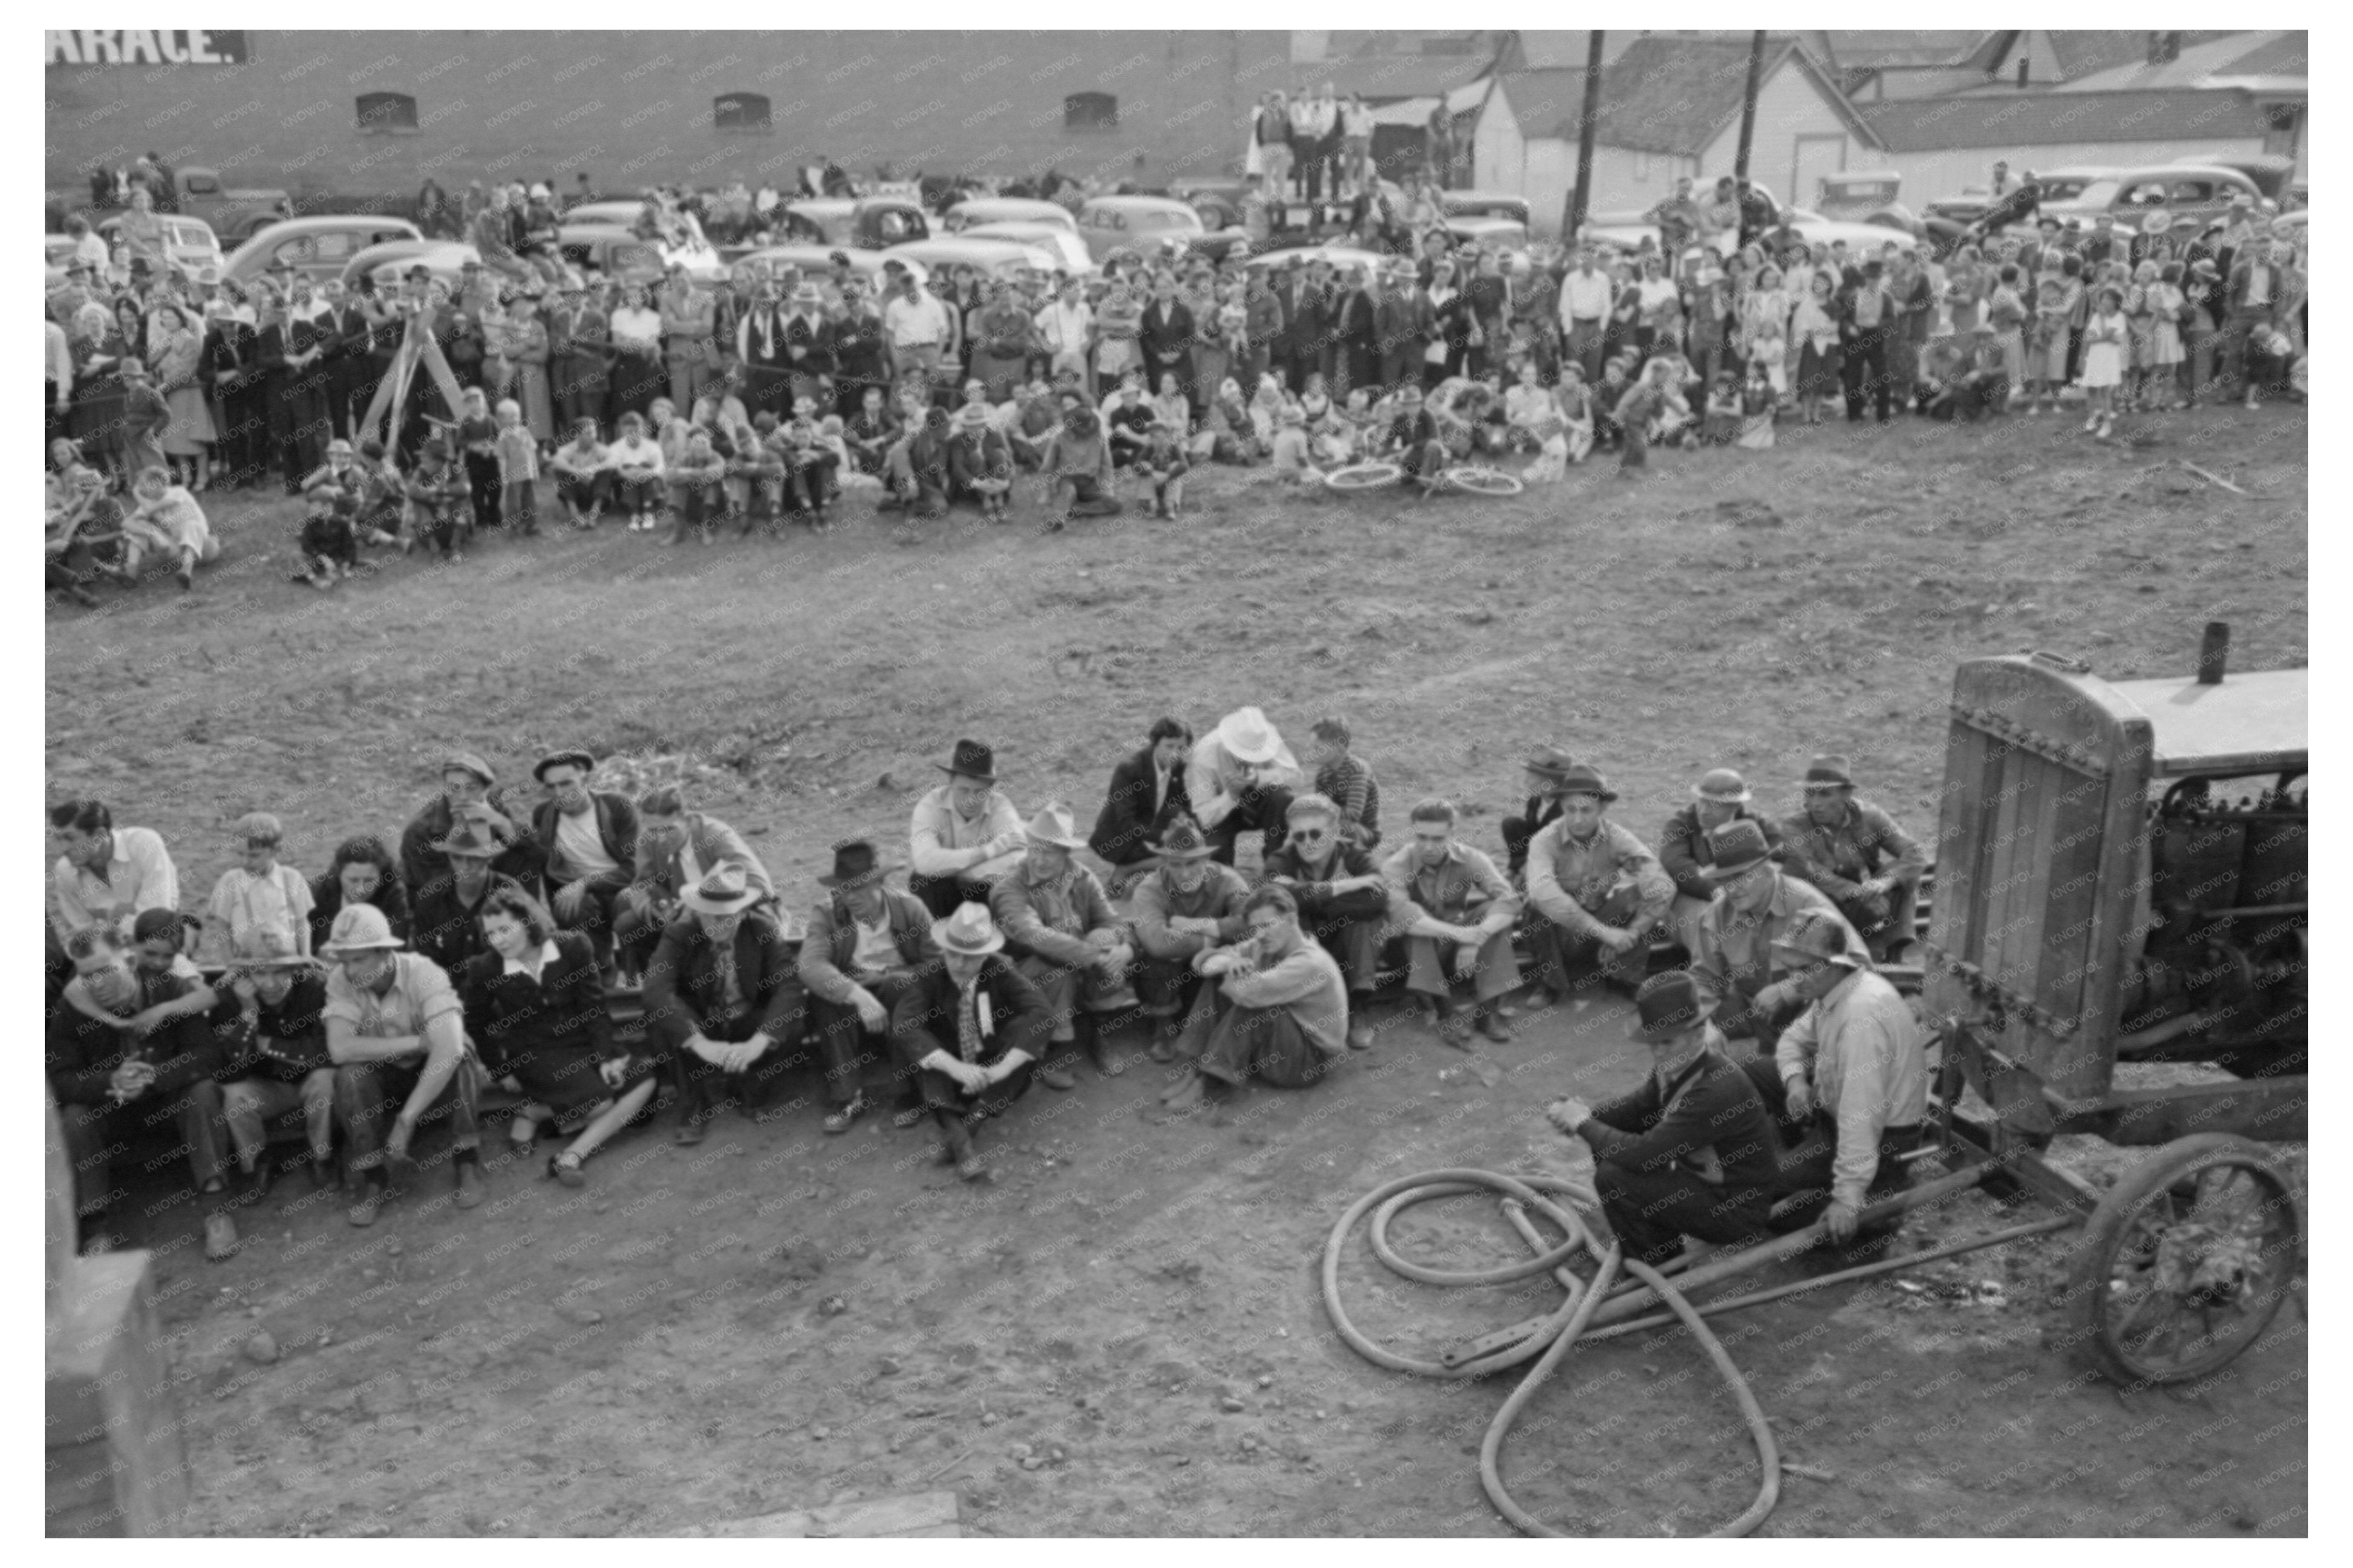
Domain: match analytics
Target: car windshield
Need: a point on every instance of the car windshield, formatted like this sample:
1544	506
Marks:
1156	218
2081	188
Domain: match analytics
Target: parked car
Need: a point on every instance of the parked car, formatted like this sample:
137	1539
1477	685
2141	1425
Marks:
315	247
2063	183
1338	256
1064	243
1490	233
2273	174
975	210
189	243
817	261
990	258
1486	204
867	223
197	193
2194	191
1149	226
1854	197
389	262
1627	231
603	234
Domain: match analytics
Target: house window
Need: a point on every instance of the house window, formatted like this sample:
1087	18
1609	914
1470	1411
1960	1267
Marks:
382	113
746	113
1090	112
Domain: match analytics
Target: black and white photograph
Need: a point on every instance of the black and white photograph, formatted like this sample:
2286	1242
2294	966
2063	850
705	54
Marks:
1163	782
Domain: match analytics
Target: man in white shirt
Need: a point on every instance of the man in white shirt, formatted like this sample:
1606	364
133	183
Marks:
590	840
1585	296
107	875
964	834
1240	779
1064	326
916	324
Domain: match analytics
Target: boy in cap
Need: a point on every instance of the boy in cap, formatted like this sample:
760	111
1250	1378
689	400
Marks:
264	907
437	497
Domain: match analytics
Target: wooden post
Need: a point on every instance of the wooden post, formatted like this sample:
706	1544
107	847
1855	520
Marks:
1581	193
1748	105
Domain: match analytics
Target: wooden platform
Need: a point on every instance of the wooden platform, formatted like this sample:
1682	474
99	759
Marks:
911	1516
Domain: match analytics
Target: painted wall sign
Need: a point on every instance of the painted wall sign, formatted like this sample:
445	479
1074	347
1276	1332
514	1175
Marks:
143	46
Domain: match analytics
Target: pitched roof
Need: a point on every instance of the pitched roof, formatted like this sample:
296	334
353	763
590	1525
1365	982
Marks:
1856	50
2080	51
1673	95
2267	56
2026	119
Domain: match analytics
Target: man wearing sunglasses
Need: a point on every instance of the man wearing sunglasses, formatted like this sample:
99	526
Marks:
1343	900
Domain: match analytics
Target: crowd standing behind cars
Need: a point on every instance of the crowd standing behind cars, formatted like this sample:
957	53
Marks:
759	396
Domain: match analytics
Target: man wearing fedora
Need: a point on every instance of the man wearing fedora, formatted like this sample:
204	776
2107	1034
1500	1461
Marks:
446	918
1547	768
1853	1065
1282	1007
976	1066
1240	779
470	793
675	847
1740	983
1148	793
1067	941
589	841
1692	1150
1187	905
1457	912
1599	888
397	1037
1721	796
980	462
723	1001
1344	900
866	943
1855	852
962	834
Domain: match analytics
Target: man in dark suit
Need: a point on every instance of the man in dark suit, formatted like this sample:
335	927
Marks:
1148	793
969	1030
1307	311
1165	339
1693	1151
723	1001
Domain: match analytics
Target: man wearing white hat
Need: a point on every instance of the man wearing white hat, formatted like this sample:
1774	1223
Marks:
723	994
978	1067
1240	779
396	1034
1068	941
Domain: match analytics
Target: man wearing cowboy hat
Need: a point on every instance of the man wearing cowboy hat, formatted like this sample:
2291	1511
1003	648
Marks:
470	793
278	1048
1282	1007
1344	900
1240	779
809	347
1457	912
723	995
1599	888
1148	793
1545	768
1188	905
1066	938
1721	796
962	834
1853	1062
1692	1150
978	1066
590	841
1077	471
865	944
1731	949
445	912
397	1035
1855	852
980	463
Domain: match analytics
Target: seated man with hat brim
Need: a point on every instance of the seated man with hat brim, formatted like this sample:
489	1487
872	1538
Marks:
723	1001
915	469
865	944
1721	796
1344	900
1282	1007
978	1066
1691	1151
1599	888
1547	768
1187	905
469	794
447	918
1241	778
1457	912
675	847
396	1033
589	841
980	462
1065	937
1741	984
1854	1066
1855	852
962	834
1077	471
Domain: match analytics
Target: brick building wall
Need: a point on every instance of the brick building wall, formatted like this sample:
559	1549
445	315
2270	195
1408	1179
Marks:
642	107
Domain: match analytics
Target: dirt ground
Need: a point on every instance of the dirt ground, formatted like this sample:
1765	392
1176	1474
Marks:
779	1319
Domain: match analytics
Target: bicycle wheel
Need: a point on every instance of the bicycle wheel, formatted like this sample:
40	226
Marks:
1363	476
1483	481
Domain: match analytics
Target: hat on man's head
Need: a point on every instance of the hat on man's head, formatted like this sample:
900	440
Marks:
359	928
856	863
808	295
1055	824
972	417
725	889
1246	736
472	764
471	839
1724	787
969	931
1818	934
339	447
1831	771
1182	840
1737	847
1667	1007
580	760
149	924
1549	760
971	759
1581	780
2158	223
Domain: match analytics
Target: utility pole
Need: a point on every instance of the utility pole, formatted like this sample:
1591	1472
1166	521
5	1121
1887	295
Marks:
1748	105
1581	193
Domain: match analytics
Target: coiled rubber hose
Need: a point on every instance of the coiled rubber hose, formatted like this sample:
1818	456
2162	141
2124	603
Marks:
1550	1344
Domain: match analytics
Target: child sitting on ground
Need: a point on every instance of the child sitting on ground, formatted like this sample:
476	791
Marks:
1721	425
438	498
697	487
581	480
1162	463
1758	406
330	548
756	475
1292	464
166	519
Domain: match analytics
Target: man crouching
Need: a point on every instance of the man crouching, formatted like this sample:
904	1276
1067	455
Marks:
1283	1006
969	1029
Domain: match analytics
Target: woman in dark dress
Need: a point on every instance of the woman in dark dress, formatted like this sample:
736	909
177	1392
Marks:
363	871
535	1009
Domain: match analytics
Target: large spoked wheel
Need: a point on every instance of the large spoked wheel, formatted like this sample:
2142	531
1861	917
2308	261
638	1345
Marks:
1363	476
1475	481
2187	1260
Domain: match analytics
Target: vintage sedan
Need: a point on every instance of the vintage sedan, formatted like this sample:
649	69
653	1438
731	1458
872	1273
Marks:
989	258
319	248
1154	227
1063	243
978	210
